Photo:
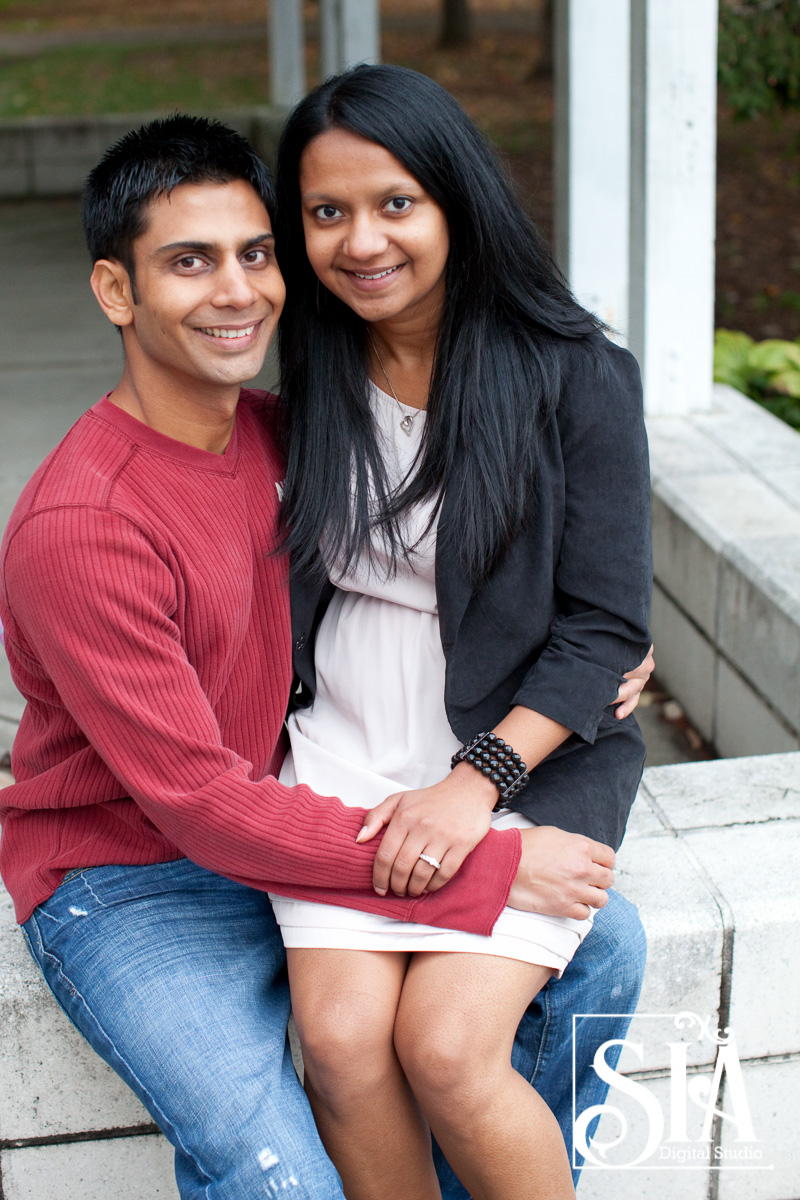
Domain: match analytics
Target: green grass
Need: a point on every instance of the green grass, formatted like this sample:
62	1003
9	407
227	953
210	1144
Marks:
83	80
23	21
6	4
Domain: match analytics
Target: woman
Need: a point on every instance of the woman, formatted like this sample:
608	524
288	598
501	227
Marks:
480	562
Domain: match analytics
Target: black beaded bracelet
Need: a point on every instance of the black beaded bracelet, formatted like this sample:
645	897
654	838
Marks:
498	761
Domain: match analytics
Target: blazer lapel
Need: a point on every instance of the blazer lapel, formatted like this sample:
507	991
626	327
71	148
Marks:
453	589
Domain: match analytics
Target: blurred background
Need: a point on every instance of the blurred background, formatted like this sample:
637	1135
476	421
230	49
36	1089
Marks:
112	56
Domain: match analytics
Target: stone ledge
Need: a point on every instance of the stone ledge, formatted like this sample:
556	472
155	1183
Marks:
709	860
52	1084
771	1089
738	820
127	1168
51	156
726	541
725	834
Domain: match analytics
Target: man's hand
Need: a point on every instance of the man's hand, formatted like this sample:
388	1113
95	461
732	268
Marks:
444	822
629	693
561	874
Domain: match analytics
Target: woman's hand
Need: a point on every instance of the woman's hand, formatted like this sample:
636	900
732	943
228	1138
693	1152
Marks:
445	822
629	693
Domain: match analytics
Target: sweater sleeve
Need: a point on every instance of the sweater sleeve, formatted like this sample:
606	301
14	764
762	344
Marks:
91	601
604	572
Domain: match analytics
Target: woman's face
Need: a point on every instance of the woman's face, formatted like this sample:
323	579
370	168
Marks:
374	236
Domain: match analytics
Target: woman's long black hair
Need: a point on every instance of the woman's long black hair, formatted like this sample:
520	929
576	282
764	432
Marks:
495	379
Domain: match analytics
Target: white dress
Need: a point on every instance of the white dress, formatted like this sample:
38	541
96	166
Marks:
378	725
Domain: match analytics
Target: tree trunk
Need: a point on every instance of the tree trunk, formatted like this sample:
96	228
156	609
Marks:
456	23
544	66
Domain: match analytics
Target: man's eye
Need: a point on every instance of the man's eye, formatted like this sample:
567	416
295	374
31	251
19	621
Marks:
256	257
189	262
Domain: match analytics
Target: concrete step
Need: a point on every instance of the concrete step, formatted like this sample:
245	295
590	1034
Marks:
709	859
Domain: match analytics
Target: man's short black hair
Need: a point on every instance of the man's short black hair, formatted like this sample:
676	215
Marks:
150	162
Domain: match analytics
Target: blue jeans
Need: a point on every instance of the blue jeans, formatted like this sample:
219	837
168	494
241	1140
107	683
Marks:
177	978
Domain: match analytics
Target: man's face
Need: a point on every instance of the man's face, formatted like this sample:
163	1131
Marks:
208	288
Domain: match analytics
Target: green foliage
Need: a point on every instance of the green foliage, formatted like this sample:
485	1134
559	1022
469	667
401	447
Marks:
4	4
759	55
768	372
194	76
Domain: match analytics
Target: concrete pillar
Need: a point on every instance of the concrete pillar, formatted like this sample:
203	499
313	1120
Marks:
673	178
349	33
287	52
592	153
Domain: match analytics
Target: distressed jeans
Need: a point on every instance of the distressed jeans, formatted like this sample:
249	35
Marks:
176	977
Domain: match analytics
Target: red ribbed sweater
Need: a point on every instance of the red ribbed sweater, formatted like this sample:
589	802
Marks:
147	625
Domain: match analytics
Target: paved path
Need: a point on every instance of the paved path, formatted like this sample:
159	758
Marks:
27	44
24	45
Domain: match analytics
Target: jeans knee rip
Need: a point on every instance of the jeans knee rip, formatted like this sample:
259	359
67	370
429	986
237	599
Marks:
268	1161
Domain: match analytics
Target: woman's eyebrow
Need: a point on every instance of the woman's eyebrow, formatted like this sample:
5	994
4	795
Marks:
388	189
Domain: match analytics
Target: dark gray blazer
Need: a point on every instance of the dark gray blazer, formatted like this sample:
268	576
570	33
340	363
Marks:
565	613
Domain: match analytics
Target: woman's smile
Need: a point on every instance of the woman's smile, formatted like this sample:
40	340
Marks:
378	280
378	274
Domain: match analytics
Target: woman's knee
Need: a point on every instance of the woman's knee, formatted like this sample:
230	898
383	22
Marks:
444	1062
345	1048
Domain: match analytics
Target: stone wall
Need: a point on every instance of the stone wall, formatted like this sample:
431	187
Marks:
726	606
51	156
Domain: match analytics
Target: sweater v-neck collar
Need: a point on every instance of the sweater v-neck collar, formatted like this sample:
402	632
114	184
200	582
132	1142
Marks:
167	447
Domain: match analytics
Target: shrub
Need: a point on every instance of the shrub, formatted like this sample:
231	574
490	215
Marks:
759	55
768	372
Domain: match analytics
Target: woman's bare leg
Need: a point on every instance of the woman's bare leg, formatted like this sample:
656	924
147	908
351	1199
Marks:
344	1004
454	1031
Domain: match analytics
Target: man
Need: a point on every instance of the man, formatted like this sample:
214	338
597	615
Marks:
145	606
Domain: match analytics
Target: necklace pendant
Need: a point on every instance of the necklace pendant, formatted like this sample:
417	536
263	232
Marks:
407	424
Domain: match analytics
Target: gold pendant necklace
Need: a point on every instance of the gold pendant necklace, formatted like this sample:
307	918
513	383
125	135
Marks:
407	423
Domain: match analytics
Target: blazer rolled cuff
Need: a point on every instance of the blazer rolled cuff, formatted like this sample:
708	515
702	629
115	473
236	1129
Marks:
569	690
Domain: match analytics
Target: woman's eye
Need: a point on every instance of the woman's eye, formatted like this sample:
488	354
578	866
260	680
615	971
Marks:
399	204
327	212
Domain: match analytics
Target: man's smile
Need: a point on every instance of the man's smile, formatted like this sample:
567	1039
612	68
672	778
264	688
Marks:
234	333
